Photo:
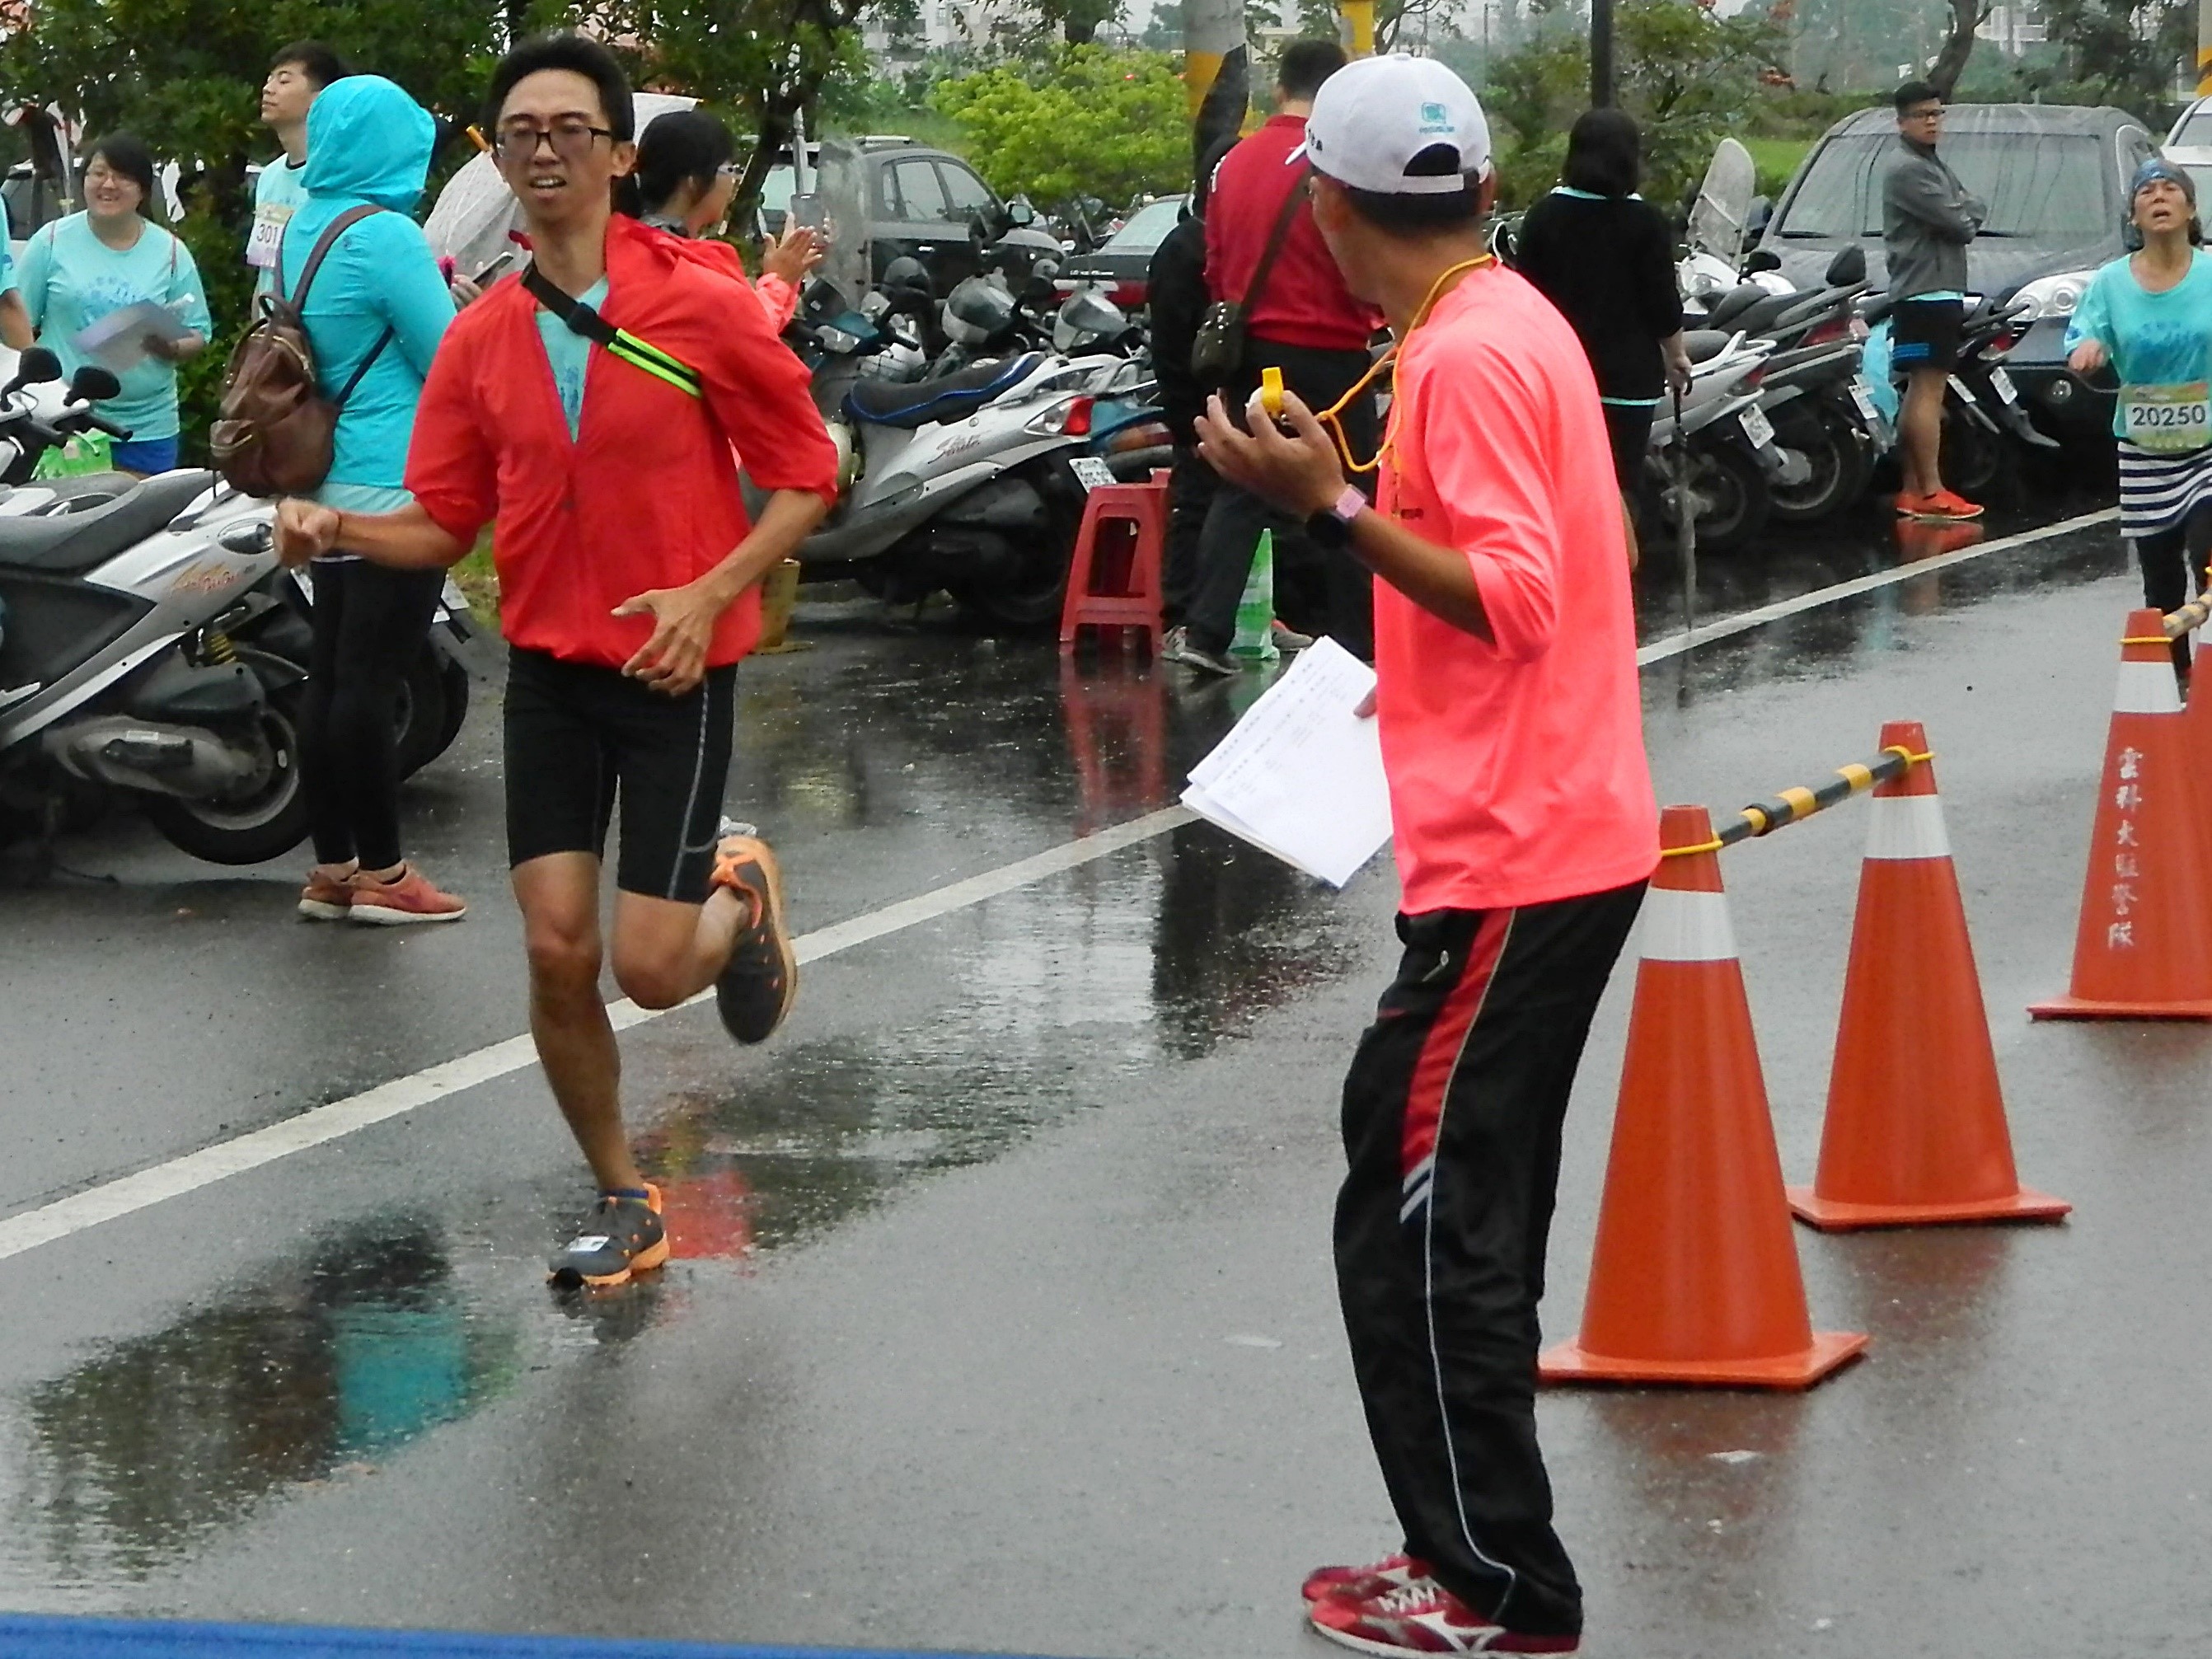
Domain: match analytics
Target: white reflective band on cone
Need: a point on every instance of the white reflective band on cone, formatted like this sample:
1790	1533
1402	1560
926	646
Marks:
2146	688
1681	926
1907	826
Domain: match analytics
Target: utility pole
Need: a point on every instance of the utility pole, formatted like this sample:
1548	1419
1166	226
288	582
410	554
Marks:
1216	72
2205	48
1357	25
1601	52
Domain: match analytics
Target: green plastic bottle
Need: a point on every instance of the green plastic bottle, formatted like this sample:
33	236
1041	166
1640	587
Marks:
1255	612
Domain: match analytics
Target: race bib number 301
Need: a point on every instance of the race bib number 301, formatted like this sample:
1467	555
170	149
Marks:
2167	420
269	222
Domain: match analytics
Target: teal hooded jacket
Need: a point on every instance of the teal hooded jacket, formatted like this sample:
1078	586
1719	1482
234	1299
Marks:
368	141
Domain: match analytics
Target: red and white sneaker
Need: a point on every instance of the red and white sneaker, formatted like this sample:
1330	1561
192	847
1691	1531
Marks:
398	904
1357	1584
1423	1617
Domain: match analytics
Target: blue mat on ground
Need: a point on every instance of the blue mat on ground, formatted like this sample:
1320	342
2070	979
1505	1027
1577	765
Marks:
22	1637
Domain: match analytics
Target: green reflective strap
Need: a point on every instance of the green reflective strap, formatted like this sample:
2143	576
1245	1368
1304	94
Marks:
641	354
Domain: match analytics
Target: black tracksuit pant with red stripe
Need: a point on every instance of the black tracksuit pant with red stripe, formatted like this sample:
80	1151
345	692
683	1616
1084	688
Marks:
1452	1119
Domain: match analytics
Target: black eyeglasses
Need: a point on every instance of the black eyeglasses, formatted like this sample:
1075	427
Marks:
572	141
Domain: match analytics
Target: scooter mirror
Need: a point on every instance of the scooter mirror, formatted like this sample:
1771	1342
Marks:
90	384
35	367
1848	268
1761	259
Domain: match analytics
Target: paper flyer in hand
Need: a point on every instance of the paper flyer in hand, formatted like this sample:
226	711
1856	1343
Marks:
1301	775
118	339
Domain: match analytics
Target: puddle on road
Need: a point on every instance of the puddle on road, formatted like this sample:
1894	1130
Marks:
309	1372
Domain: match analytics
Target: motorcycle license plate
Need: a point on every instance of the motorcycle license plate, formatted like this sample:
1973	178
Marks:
1862	400
1965	392
2001	383
1757	427
1091	473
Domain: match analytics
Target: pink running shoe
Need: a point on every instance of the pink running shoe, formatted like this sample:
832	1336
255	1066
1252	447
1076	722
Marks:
326	898
1357	1584
396	903
1423	1617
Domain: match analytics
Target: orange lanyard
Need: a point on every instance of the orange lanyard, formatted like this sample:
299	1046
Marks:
1330	417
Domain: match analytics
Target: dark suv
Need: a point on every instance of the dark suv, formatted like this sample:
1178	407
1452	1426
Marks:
919	201
2056	178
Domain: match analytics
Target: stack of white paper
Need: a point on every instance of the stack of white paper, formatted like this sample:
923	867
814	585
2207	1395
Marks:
1301	775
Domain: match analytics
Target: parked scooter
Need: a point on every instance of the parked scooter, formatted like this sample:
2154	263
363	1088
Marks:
146	649
964	482
1732	447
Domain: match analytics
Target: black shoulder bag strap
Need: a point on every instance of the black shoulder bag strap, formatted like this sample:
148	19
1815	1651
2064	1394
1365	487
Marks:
1275	239
619	343
324	243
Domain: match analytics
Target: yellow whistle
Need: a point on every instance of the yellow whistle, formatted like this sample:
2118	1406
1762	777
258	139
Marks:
1271	392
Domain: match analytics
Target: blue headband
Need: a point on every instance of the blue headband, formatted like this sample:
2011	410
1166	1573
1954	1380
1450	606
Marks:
2156	167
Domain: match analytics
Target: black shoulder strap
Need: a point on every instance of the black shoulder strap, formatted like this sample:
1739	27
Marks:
337	227
620	342
1275	238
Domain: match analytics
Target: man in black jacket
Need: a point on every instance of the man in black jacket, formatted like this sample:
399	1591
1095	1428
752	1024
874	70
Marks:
1176	295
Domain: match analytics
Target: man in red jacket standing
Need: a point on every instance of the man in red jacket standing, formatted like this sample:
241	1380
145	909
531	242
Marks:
1302	321
588	410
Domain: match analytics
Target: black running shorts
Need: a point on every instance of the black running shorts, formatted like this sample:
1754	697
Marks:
1924	334
579	737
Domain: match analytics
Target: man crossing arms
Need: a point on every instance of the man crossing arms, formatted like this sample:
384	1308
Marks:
628	591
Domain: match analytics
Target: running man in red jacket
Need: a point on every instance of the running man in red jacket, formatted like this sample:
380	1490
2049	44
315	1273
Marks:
629	590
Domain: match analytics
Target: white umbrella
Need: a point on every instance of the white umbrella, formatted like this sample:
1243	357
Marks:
475	213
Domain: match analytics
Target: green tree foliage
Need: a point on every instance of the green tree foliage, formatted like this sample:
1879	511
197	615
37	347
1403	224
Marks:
185	75
2123	51
1688	75
1087	121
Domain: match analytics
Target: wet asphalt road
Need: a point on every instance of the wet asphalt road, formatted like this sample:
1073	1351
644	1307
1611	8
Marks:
1005	1319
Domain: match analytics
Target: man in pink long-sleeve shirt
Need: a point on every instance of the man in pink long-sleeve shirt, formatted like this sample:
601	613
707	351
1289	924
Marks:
1512	736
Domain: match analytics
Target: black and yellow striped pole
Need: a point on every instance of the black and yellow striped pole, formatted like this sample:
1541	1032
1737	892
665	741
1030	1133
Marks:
1216	72
2205	48
1795	806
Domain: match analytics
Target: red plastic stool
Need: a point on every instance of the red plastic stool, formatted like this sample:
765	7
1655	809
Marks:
1114	580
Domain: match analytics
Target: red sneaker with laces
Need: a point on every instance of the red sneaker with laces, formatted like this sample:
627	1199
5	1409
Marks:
1949	504
1357	1584
1423	1617
400	903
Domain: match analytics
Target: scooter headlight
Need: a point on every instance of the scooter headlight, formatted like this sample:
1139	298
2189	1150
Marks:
2053	296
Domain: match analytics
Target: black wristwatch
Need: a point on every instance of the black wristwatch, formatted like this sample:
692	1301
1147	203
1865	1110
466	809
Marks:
1331	527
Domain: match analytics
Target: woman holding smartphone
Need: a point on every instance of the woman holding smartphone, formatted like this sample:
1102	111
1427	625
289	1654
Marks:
375	313
686	175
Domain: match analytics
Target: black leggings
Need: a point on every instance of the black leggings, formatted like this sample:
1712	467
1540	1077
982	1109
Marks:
2169	560
369	623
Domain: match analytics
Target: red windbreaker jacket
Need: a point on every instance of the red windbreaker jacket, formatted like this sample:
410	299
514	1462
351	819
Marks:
646	496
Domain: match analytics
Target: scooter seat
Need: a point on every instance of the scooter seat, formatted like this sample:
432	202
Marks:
1704	344
891	403
1734	303
117	512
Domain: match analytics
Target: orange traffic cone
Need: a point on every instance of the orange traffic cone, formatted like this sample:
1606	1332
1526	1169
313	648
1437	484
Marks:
2144	946
1695	1277
1916	1129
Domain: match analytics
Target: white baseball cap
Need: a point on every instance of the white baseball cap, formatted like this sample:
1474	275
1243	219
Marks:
1397	126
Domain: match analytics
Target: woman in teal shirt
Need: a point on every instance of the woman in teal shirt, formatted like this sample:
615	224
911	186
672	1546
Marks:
91	265
2148	314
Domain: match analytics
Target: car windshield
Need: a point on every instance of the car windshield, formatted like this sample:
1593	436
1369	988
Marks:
2040	187
1147	229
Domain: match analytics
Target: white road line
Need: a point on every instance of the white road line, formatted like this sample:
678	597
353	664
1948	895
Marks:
1744	620
321	1125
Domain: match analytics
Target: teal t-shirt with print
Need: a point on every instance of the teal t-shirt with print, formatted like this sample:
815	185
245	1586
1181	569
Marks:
570	354
2155	339
70	279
